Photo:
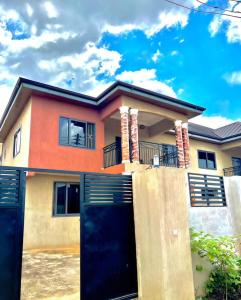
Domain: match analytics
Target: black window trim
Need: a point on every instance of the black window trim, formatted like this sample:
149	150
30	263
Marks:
19	130
86	123
206	152
54	212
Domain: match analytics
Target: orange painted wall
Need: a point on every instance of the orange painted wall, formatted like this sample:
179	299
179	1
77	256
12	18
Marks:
45	151
117	169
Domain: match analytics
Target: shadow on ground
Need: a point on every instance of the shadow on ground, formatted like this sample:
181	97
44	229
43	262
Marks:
51	274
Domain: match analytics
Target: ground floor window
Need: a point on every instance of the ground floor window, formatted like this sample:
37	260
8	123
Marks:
66	199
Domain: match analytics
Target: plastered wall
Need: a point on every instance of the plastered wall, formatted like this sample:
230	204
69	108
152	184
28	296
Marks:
41	229
217	221
162	235
23	122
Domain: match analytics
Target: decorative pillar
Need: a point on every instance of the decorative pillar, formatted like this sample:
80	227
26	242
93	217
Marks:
125	149
134	135
186	145
179	144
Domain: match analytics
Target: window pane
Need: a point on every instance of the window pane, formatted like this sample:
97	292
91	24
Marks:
211	161
18	141
202	162
90	135
236	162
64	131
77	133
60	198
73	199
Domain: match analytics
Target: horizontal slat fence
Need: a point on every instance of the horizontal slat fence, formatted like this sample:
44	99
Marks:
9	186
107	189
206	190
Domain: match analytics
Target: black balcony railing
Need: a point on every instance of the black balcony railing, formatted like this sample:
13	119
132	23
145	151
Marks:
167	154
112	155
232	171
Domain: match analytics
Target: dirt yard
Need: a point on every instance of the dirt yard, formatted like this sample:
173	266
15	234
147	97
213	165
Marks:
51	274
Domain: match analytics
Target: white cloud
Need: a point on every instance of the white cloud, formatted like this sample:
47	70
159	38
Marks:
180	92
166	19
50	9
119	29
232	24
34	42
170	80
156	55
92	60
181	41
233	78
57	38
29	10
146	78
212	121
174	53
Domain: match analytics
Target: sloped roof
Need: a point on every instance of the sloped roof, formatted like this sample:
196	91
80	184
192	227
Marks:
223	133
202	130
230	130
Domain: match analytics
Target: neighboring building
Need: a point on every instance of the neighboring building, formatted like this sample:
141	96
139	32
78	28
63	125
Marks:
121	130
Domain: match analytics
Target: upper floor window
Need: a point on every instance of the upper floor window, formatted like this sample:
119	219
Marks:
206	160
76	133
17	142
67	198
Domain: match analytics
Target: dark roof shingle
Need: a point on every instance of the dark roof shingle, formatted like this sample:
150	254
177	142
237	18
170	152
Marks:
222	133
230	130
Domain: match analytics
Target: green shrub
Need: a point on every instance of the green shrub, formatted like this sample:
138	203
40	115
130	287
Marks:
225	278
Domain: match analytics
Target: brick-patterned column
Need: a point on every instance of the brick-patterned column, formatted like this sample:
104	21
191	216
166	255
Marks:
125	149
179	144
134	135
186	145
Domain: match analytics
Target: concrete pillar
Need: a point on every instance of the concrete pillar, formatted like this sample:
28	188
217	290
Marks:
134	135
186	144
125	149
164	261
179	143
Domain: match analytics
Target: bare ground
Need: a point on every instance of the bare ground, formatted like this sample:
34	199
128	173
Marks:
51	274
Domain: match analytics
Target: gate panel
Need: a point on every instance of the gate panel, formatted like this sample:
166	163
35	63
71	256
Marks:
12	186
108	255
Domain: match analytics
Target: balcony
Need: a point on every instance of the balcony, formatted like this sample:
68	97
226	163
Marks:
232	171
167	154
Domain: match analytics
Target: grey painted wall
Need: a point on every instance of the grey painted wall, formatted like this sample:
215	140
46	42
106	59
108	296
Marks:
220	220
217	221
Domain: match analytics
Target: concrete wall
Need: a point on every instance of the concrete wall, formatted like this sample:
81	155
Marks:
42	229
216	221
220	220
23	122
233	195
162	235
151	108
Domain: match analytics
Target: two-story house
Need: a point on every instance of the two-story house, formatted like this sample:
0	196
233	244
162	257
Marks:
126	128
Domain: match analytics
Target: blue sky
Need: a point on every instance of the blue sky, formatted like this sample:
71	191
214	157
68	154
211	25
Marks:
156	45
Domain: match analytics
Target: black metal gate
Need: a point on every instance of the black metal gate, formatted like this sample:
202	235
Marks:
12	192
108	255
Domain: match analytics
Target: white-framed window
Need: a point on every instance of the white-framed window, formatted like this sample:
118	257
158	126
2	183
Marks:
17	142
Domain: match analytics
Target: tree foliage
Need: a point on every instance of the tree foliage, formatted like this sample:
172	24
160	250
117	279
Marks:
225	278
